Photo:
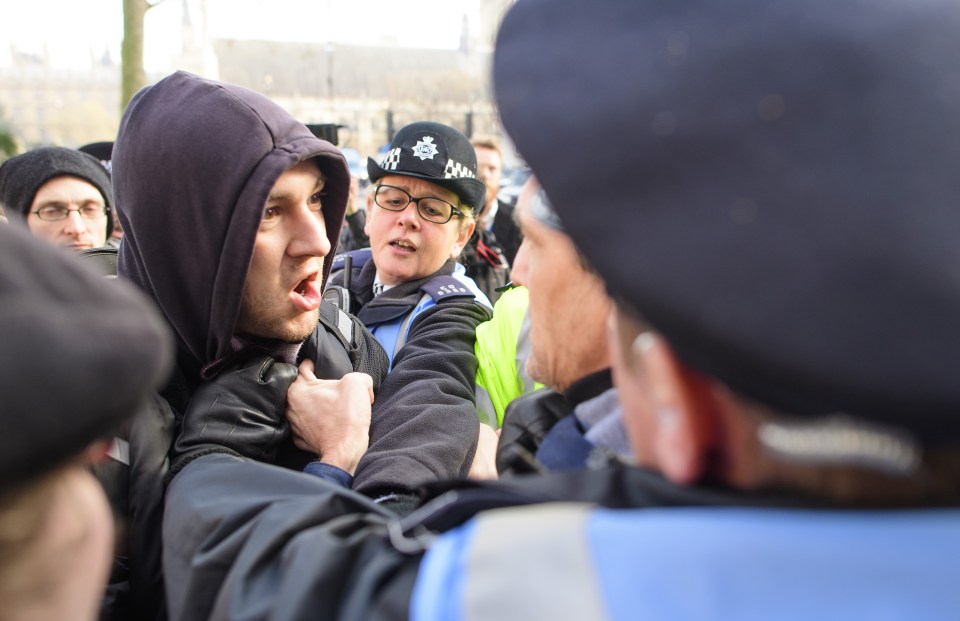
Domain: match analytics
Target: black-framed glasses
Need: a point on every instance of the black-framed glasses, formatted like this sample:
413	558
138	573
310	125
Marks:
88	211
431	209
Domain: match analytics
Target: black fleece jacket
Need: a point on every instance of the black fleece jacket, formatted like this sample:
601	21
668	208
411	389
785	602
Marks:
425	424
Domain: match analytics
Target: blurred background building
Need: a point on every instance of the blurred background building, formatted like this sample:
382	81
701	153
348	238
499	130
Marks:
369	89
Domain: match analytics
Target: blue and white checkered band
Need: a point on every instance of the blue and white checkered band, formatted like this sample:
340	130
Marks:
456	170
391	159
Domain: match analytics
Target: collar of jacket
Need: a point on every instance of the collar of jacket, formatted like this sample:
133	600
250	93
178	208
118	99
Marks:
394	302
588	387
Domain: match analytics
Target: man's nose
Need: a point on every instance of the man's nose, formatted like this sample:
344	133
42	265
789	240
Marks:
74	224
311	235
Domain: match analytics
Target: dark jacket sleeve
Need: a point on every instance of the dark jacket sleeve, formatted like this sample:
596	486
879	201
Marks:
352	236
425	422
252	541
151	434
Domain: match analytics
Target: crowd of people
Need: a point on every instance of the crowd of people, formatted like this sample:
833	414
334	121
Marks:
702	369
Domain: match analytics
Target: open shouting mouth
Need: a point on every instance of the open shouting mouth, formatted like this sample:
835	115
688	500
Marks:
306	295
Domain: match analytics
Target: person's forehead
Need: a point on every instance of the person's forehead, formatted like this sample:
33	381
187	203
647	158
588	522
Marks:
521	212
419	187
539	231
310	166
522	209
306	171
525	208
67	186
486	153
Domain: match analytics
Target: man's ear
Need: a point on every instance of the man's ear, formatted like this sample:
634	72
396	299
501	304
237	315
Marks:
682	404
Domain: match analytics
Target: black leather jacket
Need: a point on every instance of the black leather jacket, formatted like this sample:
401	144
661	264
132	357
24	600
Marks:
136	490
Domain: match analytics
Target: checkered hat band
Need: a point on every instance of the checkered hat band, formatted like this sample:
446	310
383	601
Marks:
391	159
456	170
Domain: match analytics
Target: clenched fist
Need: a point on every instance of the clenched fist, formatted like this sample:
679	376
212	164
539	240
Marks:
331	418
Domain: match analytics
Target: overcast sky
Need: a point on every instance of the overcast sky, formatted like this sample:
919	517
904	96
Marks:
70	30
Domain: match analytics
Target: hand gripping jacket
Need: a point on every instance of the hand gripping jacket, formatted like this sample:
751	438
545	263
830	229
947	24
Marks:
139	462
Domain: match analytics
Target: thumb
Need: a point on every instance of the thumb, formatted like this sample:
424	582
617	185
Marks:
306	369
367	382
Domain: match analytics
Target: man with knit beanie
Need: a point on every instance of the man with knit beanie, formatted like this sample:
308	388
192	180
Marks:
60	194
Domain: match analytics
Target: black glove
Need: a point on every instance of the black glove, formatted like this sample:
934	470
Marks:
241	412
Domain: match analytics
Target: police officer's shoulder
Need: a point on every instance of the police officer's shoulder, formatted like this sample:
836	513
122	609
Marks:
359	258
445	288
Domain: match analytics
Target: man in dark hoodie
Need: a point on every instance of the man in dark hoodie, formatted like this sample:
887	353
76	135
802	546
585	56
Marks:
232	207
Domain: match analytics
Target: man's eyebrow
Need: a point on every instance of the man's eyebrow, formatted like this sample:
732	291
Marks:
282	196
53	202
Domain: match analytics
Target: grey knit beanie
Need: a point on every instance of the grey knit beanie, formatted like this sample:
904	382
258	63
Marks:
22	175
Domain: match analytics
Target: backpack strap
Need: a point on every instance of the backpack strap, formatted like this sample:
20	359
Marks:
338	294
338	321
331	345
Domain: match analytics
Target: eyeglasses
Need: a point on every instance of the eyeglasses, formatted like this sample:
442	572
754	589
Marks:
431	209
89	211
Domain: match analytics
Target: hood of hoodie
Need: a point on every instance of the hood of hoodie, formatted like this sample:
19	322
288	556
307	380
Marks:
193	164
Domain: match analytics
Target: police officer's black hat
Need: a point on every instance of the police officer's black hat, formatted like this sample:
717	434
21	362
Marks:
436	153
773	185
103	151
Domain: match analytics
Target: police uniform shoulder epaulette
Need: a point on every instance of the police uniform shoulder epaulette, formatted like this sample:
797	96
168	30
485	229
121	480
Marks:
445	288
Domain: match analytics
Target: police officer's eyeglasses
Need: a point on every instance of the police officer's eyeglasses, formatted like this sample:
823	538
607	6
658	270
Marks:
89	211
431	209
